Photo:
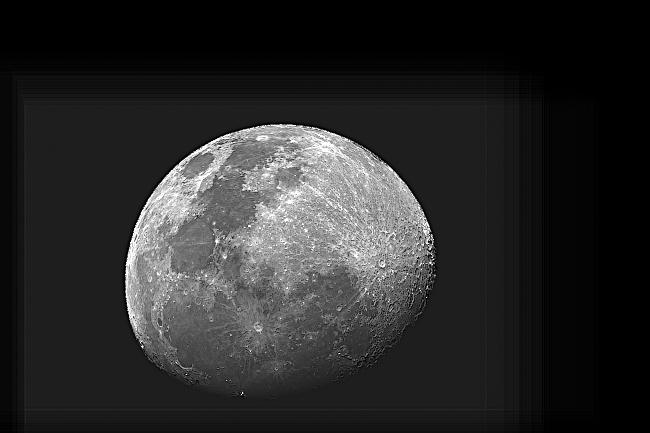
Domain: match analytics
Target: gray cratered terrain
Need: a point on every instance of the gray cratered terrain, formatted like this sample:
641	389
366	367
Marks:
276	259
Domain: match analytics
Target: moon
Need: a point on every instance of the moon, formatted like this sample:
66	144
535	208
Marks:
274	260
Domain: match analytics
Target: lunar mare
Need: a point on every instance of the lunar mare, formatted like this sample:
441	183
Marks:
276	259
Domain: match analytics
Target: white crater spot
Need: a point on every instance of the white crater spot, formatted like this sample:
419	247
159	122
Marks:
262	138
258	327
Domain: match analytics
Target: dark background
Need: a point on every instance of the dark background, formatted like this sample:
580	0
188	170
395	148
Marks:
501	156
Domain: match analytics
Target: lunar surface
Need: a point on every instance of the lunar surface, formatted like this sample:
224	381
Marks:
276	259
